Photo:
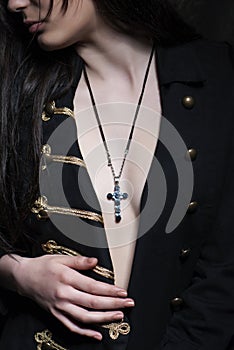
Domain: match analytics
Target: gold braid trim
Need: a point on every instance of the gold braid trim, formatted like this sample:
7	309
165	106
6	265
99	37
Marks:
50	109
45	341
52	247
64	110
48	158
115	329
68	159
42	209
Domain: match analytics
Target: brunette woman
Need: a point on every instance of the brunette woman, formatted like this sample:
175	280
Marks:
116	179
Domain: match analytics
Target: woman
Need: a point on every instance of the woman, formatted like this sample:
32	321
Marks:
92	265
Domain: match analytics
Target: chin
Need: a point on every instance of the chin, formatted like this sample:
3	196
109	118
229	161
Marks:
51	45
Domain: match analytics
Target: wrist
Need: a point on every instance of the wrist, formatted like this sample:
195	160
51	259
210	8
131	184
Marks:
18	273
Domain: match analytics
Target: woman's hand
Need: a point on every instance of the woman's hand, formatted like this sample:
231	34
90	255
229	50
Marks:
55	283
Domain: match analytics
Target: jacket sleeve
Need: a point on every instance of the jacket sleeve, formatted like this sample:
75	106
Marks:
207	319
24	249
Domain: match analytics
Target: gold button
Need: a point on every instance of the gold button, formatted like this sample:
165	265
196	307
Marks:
177	303
184	253
188	102
42	215
48	111
49	108
39	208
192	207
192	154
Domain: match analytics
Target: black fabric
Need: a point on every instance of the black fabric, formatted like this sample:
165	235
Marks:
205	278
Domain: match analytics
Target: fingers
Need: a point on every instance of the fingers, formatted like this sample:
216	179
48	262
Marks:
91	286
96	302
90	317
74	327
79	262
89	293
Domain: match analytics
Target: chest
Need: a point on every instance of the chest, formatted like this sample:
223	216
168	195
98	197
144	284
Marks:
117	109
116	112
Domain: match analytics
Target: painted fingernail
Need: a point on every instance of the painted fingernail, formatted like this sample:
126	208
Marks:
91	260
129	302
98	336
122	293
118	316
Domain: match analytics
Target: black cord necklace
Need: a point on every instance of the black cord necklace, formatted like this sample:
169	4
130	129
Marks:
117	195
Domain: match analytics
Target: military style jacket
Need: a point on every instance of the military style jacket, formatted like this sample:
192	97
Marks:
182	278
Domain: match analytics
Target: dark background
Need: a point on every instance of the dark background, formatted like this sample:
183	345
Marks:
214	19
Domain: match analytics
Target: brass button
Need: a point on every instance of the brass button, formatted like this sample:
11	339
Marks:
49	108
192	154
192	207
188	102
176	303
42	215
39	208
184	253
48	111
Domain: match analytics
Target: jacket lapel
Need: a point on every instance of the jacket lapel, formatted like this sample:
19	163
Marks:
175	66
180	78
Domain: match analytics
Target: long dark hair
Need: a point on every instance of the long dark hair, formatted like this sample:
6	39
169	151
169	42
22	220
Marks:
30	77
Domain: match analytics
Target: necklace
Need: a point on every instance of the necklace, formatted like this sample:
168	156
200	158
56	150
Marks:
117	195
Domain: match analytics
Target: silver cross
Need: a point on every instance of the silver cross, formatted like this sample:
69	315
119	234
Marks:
116	196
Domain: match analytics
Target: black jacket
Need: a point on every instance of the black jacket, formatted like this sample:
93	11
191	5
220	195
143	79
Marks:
182	278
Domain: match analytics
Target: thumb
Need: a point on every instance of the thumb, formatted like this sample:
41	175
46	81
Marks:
80	262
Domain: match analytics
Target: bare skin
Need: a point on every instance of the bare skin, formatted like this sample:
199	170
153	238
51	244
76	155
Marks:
55	282
116	67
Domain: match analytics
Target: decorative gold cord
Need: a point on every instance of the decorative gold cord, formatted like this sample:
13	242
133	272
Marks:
41	208
46	152
45	341
64	110
51	247
68	159
115	329
50	109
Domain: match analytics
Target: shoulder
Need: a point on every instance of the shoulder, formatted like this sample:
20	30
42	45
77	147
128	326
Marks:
198	60
215	57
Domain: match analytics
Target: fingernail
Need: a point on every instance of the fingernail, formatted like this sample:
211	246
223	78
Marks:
122	293
91	260
118	316
97	336
129	302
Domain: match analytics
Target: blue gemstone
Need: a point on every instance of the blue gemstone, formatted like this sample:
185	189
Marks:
117	218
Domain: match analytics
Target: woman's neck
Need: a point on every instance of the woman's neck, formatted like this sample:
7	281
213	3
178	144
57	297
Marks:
113	54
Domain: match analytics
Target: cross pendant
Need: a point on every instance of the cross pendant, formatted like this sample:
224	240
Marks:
116	196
